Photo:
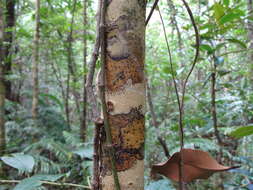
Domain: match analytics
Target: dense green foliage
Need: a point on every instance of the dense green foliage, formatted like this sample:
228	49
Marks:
49	149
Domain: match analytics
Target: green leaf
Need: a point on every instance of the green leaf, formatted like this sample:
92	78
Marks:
229	18
242	132
239	42
84	152
166	70
226	2
44	177
219	11
206	47
36	181
28	184
219	46
23	163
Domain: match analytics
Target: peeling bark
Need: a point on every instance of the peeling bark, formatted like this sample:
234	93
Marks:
125	93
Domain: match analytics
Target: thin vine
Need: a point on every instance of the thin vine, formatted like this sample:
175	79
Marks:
180	102
110	148
151	12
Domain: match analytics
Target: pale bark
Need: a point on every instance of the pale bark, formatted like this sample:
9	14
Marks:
125	93
36	62
2	85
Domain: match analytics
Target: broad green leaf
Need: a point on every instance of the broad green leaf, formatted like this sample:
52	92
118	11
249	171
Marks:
23	163
229	18
206	47
36	181
167	70
44	177
28	184
219	11
239	42
219	46
207	26
84	152
242	132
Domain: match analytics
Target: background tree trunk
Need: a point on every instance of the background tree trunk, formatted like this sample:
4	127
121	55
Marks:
36	63
8	38
83	123
2	85
125	92
250	37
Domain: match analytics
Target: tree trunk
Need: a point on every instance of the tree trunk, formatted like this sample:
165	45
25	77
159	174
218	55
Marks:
2	85
83	123
125	93
8	38
36	63
72	66
250	36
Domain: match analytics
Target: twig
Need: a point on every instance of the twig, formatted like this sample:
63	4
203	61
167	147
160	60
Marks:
103	100
151	12
49	183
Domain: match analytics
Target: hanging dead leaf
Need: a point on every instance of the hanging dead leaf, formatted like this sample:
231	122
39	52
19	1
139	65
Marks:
197	164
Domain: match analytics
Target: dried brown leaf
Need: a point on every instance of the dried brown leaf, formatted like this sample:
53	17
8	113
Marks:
197	164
